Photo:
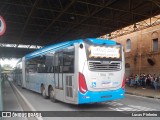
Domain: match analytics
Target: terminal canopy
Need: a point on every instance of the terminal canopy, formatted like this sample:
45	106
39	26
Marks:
44	22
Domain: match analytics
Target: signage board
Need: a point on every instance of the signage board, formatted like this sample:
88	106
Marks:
2	26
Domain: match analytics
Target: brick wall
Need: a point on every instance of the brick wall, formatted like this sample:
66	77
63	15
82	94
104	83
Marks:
141	50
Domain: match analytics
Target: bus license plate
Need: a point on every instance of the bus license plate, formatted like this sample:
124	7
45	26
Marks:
102	74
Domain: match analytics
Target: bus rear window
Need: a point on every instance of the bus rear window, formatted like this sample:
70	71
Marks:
103	52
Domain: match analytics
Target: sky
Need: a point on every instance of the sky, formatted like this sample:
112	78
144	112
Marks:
11	62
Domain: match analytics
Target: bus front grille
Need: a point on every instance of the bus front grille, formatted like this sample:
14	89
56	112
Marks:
104	65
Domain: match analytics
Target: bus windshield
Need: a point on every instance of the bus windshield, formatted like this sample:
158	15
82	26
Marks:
104	52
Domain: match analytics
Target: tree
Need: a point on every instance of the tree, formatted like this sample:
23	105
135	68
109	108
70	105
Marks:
6	67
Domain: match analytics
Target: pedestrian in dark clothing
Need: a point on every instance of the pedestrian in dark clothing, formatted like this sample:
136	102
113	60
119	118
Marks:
148	80
144	81
131	79
156	82
141	79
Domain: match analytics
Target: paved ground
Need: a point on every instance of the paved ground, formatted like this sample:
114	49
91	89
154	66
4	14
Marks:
130	103
10	101
148	92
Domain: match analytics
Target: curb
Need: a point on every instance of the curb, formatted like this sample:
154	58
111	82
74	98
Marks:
142	95
1	96
26	102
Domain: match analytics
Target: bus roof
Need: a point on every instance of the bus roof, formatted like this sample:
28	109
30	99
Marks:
66	44
20	60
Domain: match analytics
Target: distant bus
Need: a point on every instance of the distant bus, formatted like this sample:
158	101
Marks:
76	72
17	73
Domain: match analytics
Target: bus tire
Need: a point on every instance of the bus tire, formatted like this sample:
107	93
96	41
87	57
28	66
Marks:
43	92
52	95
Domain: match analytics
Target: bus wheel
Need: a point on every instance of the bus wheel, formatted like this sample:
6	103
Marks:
52	94
43	92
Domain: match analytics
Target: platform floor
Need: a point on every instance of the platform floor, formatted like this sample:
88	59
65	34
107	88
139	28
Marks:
147	92
10	101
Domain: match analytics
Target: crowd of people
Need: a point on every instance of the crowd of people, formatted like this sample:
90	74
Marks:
146	81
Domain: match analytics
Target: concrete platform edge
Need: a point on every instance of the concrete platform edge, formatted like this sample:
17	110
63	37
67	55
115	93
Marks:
142	95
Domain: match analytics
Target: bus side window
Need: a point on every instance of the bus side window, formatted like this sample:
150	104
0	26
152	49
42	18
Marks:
40	61
30	66
68	62
36	64
49	63
60	62
56	63
41	68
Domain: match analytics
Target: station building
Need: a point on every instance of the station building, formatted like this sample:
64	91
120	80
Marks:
141	43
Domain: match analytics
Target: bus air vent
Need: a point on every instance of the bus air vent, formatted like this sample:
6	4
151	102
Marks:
104	66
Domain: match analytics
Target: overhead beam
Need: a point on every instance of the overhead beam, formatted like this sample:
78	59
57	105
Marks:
59	21
130	8
9	52
97	5
116	9
155	2
81	15
28	18
92	14
54	20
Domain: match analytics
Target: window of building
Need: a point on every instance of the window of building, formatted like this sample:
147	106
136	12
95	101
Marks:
155	44
127	65
128	45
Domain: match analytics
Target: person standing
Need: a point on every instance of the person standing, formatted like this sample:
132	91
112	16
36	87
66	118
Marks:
141	79
156	82
144	81
148	80
131	78
136	80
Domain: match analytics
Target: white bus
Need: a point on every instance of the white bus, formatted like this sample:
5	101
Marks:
77	72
